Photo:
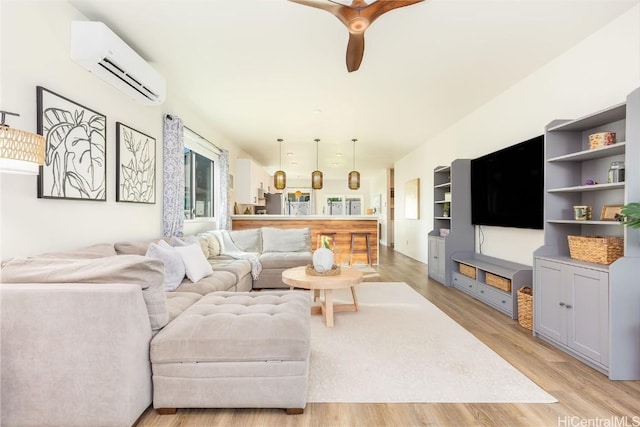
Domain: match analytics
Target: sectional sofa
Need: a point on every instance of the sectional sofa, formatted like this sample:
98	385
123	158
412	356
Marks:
94	336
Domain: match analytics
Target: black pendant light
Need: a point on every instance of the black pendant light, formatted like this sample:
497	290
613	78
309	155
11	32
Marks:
280	178
354	175
316	175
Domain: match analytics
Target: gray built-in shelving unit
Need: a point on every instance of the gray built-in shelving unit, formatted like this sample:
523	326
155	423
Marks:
591	311
454	179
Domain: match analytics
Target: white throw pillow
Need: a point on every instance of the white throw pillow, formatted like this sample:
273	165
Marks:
196	265
174	269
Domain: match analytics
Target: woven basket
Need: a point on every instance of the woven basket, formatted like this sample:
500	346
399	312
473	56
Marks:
597	249
310	271
498	282
525	307
468	271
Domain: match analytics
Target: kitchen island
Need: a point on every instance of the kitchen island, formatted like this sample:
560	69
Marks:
343	226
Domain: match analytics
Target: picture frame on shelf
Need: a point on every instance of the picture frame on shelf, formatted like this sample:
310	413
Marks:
611	213
75	151
136	166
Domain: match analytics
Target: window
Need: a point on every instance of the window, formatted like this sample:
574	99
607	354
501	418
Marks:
200	176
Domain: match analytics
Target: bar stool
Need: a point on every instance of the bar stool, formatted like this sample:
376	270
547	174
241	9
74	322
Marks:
332	241
353	250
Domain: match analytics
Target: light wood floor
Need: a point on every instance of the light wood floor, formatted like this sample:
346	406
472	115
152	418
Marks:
586	397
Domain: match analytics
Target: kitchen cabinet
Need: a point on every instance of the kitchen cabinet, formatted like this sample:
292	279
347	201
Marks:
250	182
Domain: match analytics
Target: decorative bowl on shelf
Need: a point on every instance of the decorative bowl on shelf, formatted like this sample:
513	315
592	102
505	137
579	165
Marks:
597	140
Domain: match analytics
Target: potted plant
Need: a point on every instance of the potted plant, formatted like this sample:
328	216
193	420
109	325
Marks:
446	208
631	215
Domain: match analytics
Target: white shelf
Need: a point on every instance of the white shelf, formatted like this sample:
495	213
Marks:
445	185
608	115
446	218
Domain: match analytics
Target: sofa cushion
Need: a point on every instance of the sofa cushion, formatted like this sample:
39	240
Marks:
218	281
238	326
285	239
246	240
177	302
239	267
134	248
174	270
99	250
148	273
195	264
284	260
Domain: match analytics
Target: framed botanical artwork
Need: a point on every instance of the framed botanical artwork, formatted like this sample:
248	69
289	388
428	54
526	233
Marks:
75	153
136	163
611	213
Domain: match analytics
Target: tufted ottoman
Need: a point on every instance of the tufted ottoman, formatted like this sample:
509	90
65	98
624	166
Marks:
235	350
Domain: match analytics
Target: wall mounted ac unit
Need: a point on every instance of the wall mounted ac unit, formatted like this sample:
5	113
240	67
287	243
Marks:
102	52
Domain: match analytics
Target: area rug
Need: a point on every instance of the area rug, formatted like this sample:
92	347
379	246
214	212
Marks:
369	274
401	348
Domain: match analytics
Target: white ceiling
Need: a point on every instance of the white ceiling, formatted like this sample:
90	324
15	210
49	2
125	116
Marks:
259	70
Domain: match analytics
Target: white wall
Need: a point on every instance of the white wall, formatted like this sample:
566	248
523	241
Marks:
598	72
35	51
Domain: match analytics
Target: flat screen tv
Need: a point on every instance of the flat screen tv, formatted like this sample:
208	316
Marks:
507	186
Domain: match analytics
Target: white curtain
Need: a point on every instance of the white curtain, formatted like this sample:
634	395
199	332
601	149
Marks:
173	177
224	220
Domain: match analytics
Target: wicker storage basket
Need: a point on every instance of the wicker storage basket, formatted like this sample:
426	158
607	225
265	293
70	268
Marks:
468	271
498	282
525	307
598	249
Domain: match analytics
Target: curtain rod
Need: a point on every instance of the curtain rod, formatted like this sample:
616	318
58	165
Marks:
203	138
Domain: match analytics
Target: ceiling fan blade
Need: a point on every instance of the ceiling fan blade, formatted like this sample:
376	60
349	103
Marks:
355	51
376	9
321	4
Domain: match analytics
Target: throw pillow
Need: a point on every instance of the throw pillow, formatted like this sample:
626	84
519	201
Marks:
213	244
174	270
195	264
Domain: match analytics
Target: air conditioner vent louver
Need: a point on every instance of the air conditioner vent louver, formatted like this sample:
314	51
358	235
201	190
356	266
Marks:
101	51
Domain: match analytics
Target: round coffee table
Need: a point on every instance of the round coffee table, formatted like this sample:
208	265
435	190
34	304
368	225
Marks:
348	278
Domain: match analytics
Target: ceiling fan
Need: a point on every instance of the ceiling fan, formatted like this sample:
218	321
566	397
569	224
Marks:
356	17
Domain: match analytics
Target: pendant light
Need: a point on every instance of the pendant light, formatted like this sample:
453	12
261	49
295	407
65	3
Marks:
354	175
280	178
316	175
21	152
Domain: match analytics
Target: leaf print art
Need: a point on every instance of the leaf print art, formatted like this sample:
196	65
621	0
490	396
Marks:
135	157
75	162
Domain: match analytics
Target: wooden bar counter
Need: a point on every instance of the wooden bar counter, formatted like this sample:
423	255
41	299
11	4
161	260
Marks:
341	225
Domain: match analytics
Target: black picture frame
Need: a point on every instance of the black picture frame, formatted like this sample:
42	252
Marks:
136	163
76	150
